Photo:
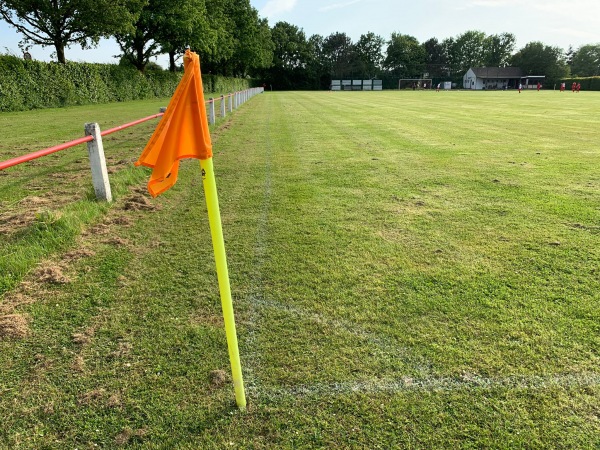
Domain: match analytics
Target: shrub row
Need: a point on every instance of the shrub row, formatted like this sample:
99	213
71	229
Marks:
26	85
587	83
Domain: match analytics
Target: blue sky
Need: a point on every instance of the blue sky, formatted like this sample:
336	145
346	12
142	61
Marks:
555	22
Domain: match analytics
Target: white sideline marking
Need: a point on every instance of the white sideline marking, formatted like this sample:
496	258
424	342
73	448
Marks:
252	359
432	384
387	347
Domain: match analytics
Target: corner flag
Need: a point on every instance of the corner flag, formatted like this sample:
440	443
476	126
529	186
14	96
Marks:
183	133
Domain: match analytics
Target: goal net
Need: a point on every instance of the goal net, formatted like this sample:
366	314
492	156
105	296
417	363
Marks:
415	83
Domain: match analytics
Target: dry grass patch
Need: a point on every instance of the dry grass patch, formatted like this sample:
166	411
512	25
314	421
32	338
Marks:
126	435
13	326
218	378
139	202
93	396
77	254
52	274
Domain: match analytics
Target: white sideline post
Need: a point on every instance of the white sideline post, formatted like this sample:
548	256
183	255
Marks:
222	106
211	111
98	163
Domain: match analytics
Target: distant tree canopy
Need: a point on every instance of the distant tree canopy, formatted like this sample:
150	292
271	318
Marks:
539	59
586	61
232	40
60	24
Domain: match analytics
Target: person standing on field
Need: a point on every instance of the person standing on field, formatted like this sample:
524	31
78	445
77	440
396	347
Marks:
520	87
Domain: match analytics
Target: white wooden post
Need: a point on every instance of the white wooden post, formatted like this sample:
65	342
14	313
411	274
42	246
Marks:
98	163
230	102
222	106
211	111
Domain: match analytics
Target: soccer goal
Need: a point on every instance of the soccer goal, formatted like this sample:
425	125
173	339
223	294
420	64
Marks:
415	83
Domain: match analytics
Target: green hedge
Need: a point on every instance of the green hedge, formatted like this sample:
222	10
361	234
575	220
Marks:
587	83
28	85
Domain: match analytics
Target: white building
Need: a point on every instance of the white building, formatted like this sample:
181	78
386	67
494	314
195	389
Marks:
479	78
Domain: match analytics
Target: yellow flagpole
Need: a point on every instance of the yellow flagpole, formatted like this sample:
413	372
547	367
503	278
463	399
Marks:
214	218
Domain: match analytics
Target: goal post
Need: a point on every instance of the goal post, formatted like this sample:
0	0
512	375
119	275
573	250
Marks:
415	83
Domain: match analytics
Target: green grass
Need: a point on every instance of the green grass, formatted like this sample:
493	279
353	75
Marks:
409	270
59	185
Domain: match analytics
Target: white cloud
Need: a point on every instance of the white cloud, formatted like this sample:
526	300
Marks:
338	5
277	7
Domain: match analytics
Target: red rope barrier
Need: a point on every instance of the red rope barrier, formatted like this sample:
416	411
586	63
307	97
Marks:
130	124
47	151
21	159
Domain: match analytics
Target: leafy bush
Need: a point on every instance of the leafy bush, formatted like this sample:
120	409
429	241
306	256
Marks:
587	83
28	85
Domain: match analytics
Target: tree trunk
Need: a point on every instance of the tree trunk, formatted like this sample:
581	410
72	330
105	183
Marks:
172	61
140	64
60	52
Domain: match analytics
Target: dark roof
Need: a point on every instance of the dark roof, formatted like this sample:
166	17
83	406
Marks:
497	72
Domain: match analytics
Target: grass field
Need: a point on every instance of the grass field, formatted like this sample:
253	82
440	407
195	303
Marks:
409	270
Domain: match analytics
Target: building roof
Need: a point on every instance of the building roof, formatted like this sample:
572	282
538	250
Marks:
497	72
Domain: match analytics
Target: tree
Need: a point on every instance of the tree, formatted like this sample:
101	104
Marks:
539	59
586	61
214	56
165	26
185	23
436	58
449	46
61	23
469	51
369	53
140	44
498	49
291	57
341	57
405	57
318	66
252	36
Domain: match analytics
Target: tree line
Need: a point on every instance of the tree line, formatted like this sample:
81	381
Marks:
233	40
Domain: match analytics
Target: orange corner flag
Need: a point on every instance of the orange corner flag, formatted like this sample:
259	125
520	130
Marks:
182	132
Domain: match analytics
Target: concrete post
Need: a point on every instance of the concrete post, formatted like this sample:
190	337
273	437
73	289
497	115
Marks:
223	106
211	111
230	102
98	163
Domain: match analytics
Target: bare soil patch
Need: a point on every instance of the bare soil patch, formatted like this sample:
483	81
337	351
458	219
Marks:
217	378
126	435
138	202
52	274
74	255
13	326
